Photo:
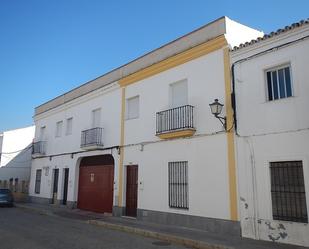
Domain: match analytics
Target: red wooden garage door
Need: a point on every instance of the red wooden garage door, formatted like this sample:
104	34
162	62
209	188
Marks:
95	192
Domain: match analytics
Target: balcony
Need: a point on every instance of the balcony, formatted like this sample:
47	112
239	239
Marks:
176	122
92	139
38	148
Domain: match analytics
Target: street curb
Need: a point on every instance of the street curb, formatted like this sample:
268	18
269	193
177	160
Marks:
160	236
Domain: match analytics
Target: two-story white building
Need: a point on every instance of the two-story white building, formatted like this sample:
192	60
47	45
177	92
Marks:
271	82
141	141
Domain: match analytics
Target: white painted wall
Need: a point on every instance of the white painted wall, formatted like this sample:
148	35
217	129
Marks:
108	99
271	131
62	162
205	83
206	152
16	153
237	33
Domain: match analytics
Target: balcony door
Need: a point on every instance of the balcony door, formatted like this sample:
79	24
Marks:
42	133
179	94
96	118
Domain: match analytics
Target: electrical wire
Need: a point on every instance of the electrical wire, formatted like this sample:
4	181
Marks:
13	152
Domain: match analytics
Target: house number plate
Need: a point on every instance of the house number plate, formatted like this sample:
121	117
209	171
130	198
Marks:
92	177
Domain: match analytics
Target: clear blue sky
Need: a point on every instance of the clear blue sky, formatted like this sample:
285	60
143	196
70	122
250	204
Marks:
48	47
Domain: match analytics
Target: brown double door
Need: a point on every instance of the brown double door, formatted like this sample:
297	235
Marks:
96	183
131	192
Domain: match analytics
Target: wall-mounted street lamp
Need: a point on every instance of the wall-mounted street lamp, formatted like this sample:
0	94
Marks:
216	108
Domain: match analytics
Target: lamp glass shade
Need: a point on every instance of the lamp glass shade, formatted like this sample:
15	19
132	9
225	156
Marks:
216	107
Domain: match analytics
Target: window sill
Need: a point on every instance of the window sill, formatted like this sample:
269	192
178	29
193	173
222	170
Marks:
176	134
127	119
279	100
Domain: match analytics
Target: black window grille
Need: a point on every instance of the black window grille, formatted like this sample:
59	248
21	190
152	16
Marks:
16	185
279	83
288	191
37	187
178	118
178	185
38	147
92	137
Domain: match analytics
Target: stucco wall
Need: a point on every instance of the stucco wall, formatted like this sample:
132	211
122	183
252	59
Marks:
109	100
271	131
206	152
62	162
16	154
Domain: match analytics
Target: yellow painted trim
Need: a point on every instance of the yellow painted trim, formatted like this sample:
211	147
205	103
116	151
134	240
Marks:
175	134
230	137
121	156
175	60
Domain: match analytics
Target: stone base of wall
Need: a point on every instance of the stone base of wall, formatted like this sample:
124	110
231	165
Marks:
47	201
118	211
21	197
218	226
40	200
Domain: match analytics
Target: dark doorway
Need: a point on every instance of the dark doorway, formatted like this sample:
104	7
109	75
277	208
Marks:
55	185
131	195
65	186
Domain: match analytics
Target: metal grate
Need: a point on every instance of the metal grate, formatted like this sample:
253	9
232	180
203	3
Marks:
178	185
92	137
178	118
38	147
38	176
288	191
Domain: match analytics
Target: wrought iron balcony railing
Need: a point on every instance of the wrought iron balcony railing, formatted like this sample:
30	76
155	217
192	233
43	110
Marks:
175	119
92	137
38	148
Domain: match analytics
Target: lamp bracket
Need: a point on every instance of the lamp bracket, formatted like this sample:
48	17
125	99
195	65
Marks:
222	120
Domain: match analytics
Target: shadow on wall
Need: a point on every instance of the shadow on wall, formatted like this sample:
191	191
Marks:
15	175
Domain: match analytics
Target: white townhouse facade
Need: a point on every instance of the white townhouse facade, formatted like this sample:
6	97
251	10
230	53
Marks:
141	141
272	136
15	159
69	129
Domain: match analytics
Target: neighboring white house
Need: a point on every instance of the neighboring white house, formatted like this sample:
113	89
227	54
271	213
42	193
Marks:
15	158
141	140
271	79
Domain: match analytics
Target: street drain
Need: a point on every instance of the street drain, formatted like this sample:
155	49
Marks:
161	243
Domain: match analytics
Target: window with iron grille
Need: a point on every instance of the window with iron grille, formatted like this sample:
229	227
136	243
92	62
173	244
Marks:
178	185
37	187
288	191
279	84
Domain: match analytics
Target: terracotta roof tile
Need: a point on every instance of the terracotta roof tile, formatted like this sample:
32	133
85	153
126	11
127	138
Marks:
272	34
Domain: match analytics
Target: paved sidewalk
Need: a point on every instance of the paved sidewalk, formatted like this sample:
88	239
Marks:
180	235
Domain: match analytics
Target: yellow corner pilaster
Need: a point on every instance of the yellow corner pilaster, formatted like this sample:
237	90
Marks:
230	137
121	157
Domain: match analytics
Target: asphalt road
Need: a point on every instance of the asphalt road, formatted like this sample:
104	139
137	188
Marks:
22	229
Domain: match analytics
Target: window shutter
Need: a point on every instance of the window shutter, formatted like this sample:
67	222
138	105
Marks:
96	118
179	94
